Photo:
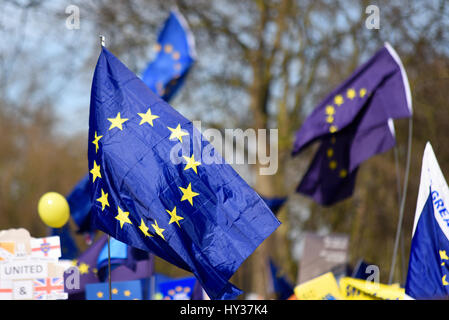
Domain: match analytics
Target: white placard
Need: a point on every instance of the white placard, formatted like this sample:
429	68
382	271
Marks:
23	290
49	247
25	269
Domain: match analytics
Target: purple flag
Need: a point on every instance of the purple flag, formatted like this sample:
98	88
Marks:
354	123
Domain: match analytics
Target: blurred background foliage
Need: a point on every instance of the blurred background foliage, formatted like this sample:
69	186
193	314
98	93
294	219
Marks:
261	64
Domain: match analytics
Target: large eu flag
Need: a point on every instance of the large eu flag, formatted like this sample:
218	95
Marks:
164	75
158	185
175	55
354	122
428	270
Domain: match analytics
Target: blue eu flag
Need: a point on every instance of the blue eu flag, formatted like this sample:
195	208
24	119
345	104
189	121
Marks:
69	249
428	270
121	290
175	55
159	186
354	123
177	289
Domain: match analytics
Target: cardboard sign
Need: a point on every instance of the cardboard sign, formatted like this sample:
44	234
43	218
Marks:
324	287
23	269
30	268
357	289
321	254
21	238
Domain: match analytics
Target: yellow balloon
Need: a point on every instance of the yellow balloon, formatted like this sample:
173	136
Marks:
53	209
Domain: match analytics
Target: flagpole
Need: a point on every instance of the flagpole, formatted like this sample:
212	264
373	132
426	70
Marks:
404	194
109	268
398	190
102	43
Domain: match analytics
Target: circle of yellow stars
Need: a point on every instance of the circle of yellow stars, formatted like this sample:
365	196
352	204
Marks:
330	111
168	49
188	194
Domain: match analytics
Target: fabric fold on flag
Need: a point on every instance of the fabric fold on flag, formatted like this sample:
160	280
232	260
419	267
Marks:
159	185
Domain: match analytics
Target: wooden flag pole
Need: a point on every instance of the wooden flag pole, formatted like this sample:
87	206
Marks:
404	194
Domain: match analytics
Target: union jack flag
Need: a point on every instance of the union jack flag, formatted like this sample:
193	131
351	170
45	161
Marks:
47	286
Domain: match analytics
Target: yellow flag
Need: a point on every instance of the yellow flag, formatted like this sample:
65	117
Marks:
357	289
324	287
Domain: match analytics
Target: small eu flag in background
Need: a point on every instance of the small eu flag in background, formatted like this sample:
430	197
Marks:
175	55
120	290
354	122
177	289
201	217
428	269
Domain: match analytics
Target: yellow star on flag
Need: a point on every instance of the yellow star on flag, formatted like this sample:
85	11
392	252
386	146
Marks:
343	173
333	165
188	194
330	119
191	163
114	291
127	293
157	47
144	228
330	110
333	129
123	217
95	172
100	294
158	230
117	122
174	217
168	48
147	117
362	92
95	142
443	280
443	256
103	200
83	268
330	152
338	100
177	133
351	93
